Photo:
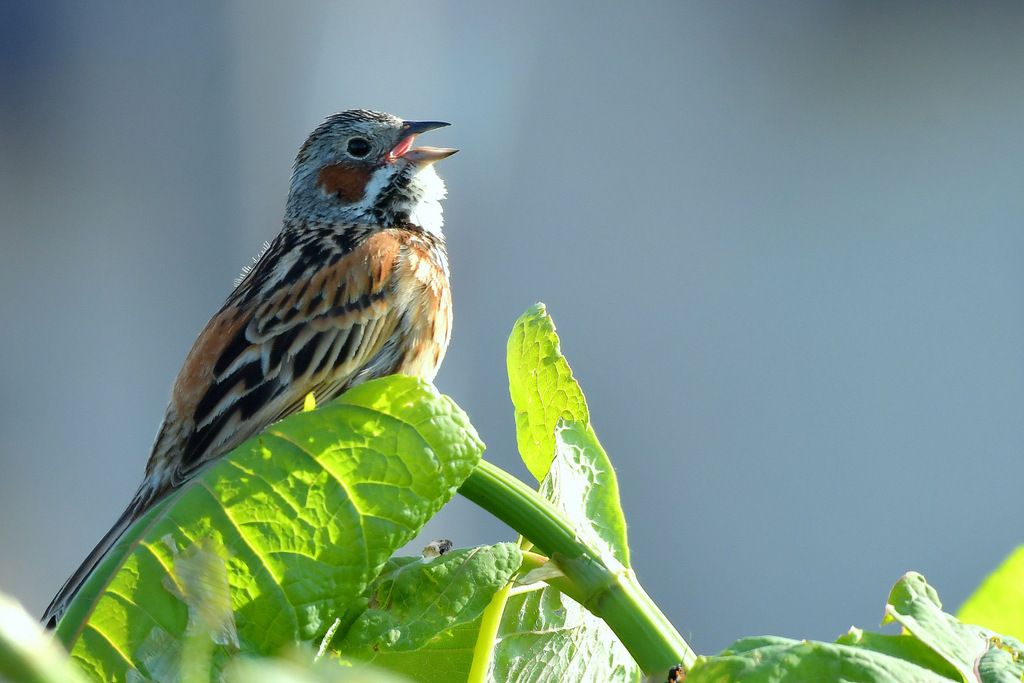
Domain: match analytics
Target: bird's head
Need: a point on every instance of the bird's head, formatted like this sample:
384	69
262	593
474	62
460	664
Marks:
361	167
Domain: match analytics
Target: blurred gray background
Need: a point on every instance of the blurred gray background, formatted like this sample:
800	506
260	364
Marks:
782	244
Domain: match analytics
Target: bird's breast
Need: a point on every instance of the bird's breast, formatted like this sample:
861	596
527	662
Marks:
424	293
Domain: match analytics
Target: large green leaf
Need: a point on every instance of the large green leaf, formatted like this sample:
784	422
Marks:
543	634
413	601
446	657
768	659
542	387
546	636
999	602
304	516
934	647
902	646
915	606
582	484
422	618
555	438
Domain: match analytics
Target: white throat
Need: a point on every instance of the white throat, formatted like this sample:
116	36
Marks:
419	200
424	201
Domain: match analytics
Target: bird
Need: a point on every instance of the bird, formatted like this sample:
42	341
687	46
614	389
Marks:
354	287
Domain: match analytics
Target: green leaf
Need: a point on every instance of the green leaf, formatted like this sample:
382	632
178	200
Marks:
27	652
582	484
446	657
306	514
903	646
768	659
934	647
546	636
543	634
542	387
413	601
554	433
915	606
998	603
1004	661
296	667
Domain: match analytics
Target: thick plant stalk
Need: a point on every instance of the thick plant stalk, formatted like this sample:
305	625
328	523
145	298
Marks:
604	586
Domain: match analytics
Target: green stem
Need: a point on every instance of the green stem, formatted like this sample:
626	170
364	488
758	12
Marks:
613	595
488	633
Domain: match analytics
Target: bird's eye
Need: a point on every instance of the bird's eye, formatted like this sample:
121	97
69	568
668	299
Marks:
358	147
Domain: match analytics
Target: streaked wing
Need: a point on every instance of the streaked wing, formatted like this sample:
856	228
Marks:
249	368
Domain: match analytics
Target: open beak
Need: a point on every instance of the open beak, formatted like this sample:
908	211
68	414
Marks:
421	156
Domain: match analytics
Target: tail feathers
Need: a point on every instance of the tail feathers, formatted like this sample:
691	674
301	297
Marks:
70	589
